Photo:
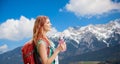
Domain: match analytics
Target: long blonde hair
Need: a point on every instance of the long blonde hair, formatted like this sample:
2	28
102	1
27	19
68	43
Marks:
38	28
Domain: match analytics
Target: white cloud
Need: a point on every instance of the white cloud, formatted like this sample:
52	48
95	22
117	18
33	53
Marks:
3	48
16	29
92	7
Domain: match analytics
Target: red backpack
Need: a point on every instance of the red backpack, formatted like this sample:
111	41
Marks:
30	54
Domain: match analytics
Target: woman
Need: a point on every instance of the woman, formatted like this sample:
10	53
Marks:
41	27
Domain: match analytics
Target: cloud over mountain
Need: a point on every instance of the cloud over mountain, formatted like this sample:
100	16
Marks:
92	7
18	29
14	29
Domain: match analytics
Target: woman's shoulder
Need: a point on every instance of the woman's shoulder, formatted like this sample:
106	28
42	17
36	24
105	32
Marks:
41	41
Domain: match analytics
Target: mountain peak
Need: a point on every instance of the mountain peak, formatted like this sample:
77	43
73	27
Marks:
100	31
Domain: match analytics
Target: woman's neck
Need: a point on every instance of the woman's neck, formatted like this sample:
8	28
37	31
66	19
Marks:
44	34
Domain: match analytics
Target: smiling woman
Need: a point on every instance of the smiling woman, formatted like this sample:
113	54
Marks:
47	55
45	48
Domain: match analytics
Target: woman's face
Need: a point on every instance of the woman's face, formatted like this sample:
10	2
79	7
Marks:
47	25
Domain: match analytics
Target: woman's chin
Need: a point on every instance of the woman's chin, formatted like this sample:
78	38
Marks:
50	29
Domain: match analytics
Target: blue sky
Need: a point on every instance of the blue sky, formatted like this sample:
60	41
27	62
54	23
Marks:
18	14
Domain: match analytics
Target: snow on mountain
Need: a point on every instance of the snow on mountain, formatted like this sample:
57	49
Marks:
100	31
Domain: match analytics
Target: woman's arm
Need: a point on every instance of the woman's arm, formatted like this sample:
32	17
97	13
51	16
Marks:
43	53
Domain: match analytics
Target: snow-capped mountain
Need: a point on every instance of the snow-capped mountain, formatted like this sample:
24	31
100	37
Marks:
100	31
91	37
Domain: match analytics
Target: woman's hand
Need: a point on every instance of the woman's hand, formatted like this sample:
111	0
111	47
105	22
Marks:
62	47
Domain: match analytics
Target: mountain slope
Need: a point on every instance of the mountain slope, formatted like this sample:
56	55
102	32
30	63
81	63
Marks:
109	53
11	57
